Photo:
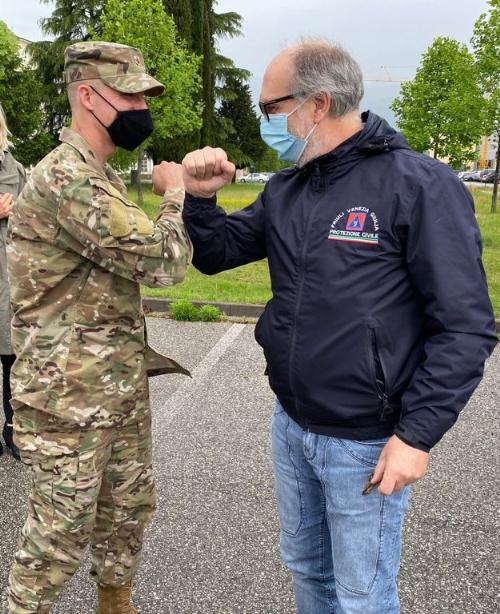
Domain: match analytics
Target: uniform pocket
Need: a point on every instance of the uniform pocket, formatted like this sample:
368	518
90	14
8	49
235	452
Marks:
40	383
126	220
55	463
125	217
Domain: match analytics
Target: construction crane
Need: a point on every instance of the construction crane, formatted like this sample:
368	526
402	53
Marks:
388	78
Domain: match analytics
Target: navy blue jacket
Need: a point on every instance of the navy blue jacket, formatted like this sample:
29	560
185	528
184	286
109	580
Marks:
380	320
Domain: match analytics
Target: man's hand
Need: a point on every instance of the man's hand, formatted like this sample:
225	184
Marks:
167	175
399	464
206	171
6	204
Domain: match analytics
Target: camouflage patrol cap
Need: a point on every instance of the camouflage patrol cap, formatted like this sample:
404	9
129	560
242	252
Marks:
119	66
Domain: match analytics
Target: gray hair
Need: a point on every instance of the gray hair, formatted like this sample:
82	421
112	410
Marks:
321	66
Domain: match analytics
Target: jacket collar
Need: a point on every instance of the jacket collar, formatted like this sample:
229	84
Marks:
71	137
375	137
77	141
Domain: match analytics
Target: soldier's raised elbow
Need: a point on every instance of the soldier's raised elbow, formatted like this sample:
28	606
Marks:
179	277
167	278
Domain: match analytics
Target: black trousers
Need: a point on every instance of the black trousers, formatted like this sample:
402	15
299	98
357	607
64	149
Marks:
7	362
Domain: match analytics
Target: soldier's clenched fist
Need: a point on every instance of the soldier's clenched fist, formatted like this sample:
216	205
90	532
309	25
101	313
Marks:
206	171
167	175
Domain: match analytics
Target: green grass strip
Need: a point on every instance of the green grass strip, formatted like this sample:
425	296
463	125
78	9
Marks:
251	284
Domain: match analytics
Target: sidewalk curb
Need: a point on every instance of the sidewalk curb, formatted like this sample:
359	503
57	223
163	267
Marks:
229	309
240	310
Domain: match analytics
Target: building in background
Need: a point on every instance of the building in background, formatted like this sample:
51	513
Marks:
488	152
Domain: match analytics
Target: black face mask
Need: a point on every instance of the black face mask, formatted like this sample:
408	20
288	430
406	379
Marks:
129	128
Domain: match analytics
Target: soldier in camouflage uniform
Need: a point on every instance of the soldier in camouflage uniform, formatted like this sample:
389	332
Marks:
78	250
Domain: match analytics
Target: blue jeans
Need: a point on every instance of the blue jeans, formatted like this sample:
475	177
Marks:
341	547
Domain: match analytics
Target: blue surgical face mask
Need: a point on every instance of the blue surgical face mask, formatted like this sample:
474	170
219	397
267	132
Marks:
274	132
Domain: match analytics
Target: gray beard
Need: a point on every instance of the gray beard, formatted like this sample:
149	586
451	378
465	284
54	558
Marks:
307	155
311	151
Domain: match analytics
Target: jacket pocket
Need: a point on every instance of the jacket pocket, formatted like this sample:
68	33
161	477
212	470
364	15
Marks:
258	333
9	182
39	382
378	372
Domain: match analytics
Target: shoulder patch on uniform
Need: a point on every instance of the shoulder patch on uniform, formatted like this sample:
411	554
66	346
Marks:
127	220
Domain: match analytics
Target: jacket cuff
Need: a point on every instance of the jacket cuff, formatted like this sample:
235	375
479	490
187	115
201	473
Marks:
410	438
195	201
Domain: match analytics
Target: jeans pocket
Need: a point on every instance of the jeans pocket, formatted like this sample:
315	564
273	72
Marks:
372	442
278	408
356	520
287	485
365	452
357	539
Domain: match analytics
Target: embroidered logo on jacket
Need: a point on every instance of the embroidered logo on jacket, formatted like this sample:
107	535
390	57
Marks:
355	225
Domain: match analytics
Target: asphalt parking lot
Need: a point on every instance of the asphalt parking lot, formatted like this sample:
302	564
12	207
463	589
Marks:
213	546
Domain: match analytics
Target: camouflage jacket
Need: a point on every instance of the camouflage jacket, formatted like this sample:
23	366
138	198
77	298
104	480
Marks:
77	251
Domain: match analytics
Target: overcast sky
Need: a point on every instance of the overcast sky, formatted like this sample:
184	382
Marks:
378	33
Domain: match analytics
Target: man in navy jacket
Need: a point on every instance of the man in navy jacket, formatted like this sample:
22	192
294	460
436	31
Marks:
379	325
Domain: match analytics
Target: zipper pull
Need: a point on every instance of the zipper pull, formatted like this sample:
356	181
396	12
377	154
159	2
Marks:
386	408
316	176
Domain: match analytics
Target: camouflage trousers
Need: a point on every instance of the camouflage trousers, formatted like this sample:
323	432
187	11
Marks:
88	487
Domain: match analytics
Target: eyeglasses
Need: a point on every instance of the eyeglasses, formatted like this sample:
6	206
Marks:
263	105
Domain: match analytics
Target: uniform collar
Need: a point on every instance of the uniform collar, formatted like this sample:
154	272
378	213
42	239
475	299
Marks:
77	141
71	137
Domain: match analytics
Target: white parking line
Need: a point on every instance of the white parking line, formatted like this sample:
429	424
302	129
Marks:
199	375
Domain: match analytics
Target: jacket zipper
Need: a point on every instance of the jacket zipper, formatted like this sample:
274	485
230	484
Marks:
291	379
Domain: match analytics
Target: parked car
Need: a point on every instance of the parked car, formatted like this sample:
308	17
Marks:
472	176
254	178
488	176
476	176
467	176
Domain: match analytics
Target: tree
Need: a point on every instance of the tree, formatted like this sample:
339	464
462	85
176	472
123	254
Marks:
71	20
270	162
486	44
241	136
442	109
182	14
194	22
198	24
20	96
147	27
206	27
